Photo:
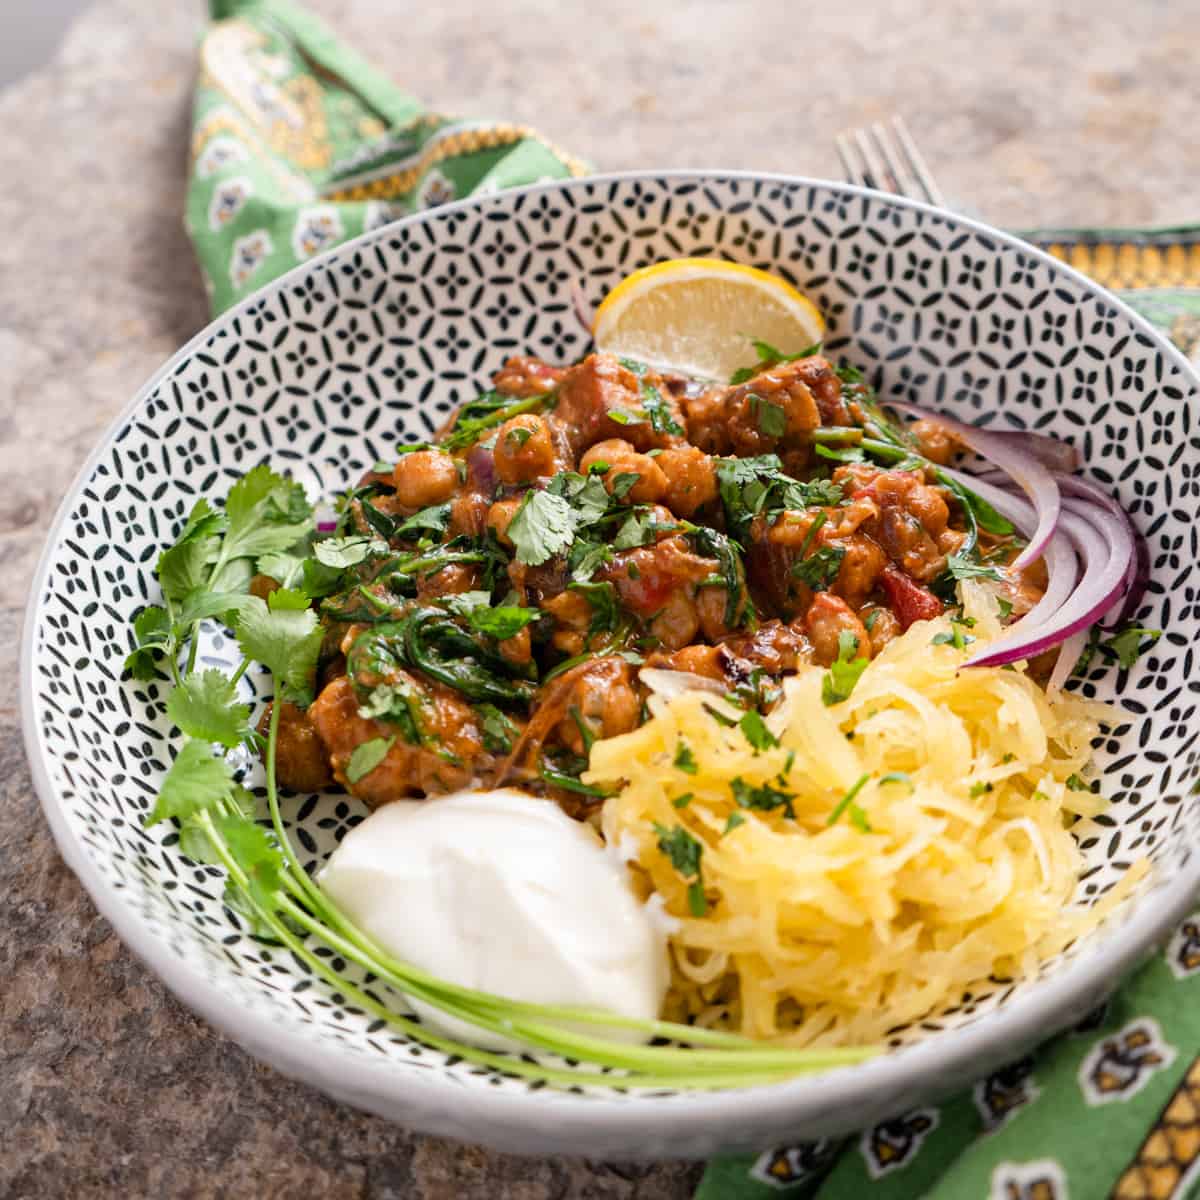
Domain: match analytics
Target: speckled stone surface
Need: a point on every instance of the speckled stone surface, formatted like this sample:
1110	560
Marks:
1032	113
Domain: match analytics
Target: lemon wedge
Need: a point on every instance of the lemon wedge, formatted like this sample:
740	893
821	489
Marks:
699	316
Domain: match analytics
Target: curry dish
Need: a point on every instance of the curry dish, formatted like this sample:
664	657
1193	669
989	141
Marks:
574	523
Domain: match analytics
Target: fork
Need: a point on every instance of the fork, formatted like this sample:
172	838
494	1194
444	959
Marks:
870	158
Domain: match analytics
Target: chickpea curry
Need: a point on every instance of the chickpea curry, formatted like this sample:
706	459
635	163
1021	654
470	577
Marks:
494	594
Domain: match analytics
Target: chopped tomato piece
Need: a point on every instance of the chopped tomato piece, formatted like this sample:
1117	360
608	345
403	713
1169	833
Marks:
910	600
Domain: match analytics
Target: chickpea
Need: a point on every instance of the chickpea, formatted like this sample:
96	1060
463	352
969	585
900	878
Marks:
677	622
524	450
468	514
500	515
623	459
425	477
711	603
517	649
691	479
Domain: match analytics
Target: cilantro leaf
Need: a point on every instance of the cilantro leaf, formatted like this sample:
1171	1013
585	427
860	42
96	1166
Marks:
961	567
602	598
399	704
820	568
196	781
266	513
755	730
638	529
586	557
542	527
343	552
770	418
205	706
659	412
685	852
184	567
499	731
624	483
285	636
764	798
1076	784
769	356
151	638
734	819
685	760
367	756
840	679
1127	643
255	851
586	494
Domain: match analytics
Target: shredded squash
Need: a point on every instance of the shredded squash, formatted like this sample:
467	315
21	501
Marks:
830	921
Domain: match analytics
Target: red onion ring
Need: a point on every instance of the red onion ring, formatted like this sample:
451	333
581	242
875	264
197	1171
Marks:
1099	537
584	312
1062	564
1058	456
1015	461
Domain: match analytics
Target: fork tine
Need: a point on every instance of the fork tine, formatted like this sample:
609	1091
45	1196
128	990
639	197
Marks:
917	162
906	182
876	174
846	153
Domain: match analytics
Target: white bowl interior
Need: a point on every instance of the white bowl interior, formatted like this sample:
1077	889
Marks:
327	371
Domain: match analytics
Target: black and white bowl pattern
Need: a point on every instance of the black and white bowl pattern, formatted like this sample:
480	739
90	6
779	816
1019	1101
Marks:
327	370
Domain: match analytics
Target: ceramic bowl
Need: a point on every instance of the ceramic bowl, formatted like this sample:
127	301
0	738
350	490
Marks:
326	370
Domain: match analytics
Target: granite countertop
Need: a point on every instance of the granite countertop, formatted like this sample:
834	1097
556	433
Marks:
1031	114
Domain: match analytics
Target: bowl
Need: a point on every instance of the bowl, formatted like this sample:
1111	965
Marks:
327	369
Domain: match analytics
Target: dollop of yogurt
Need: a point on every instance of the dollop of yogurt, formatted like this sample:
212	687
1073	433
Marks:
502	892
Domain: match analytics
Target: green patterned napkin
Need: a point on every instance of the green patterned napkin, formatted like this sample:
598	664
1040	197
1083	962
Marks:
299	144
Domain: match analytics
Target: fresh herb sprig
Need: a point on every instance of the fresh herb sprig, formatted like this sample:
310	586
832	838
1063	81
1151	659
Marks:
267	886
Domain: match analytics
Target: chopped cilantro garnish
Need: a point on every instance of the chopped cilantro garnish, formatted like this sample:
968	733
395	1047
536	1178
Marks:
624	483
820	568
858	818
499	731
765	798
734	820
367	756
1128	645
980	789
1075	784
770	418
844	673
756	732
685	760
541	528
659	412
682	801
961	567
685	853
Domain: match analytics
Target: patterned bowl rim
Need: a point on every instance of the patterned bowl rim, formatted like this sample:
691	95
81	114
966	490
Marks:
914	1072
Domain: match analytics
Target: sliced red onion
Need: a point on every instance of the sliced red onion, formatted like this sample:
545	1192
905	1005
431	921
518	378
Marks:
1075	488
1068	656
1062	457
326	526
584	313
1105	546
1062	564
1015	461
1139	566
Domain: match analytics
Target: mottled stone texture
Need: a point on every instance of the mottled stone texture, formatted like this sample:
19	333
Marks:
1032	113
